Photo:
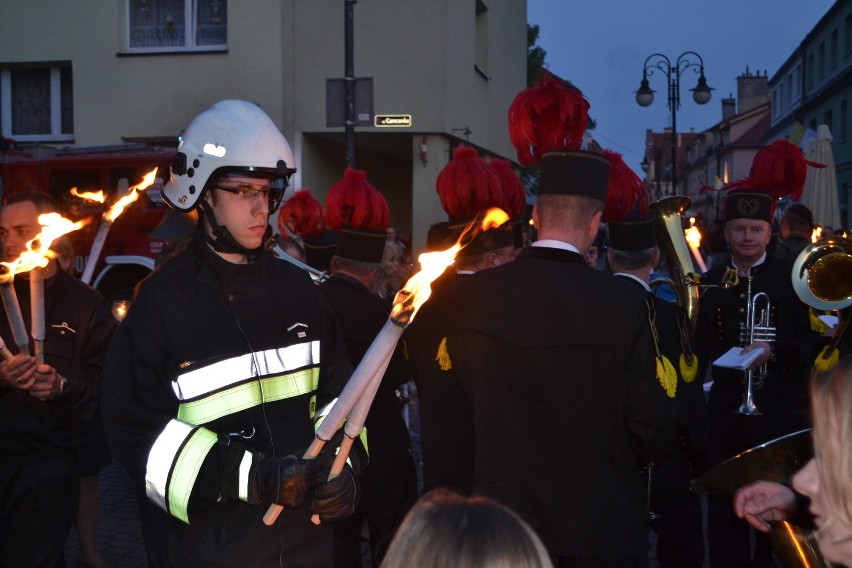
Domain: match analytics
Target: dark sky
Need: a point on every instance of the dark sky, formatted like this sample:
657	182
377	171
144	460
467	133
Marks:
601	45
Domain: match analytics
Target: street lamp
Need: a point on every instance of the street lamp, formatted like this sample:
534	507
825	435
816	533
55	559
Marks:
700	93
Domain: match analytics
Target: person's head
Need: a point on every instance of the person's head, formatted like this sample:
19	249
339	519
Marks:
19	221
748	214
825	479
367	273
571	196
447	529
797	219
233	164
638	262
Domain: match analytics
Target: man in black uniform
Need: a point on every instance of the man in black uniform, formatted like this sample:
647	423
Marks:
557	363
47	411
389	483
779	391
632	254
214	375
444	410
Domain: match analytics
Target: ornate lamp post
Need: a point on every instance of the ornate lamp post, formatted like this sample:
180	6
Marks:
673	71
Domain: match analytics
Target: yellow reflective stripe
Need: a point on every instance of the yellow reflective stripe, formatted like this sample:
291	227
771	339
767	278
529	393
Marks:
185	472
248	395
201	381
160	458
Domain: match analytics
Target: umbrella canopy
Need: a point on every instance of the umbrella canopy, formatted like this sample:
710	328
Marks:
820	194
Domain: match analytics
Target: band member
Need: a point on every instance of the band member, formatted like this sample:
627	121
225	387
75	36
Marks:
214	375
633	254
359	215
556	361
467	185
734	299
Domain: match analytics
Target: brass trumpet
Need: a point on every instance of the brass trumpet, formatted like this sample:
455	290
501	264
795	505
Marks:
757	328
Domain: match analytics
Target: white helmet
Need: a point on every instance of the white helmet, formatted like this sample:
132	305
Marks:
231	136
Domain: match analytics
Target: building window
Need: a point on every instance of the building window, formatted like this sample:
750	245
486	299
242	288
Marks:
844	121
177	25
810	70
36	103
847	34
826	119
832	55
481	40
821	61
797	88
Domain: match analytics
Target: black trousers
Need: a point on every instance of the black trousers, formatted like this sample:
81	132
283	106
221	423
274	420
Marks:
38	503
679	528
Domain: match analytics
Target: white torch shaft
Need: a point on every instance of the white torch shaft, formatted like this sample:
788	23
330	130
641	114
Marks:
37	312
95	251
13	313
698	259
376	358
370	370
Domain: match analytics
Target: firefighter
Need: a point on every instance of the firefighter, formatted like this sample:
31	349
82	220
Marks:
215	373
47	411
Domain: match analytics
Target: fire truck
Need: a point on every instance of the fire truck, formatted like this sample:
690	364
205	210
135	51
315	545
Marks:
129	251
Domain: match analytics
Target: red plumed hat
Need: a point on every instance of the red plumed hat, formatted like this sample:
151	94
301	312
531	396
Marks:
550	116
514	197
626	192
360	214
467	185
354	202
301	215
778	169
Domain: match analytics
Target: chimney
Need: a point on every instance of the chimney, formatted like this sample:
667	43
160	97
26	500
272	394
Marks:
752	90
729	107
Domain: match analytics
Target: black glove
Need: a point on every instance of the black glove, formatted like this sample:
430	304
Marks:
286	480
337	498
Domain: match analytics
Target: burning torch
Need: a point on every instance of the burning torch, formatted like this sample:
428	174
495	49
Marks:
355	400
33	259
107	219
693	238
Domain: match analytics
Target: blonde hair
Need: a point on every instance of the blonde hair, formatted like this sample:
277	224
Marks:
447	529
831	401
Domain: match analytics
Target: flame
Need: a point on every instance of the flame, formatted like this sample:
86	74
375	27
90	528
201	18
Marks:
692	234
119	206
432	264
89	195
37	252
817	234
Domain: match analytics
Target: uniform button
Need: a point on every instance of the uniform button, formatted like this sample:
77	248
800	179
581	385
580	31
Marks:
741	310
231	297
742	296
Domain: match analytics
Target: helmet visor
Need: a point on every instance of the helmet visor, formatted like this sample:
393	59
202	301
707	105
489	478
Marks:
251	184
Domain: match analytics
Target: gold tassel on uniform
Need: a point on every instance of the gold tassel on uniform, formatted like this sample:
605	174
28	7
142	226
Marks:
443	356
827	359
666	375
817	324
688	370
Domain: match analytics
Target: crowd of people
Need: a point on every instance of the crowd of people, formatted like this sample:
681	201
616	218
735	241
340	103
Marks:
561	402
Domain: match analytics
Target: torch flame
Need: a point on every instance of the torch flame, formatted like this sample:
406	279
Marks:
119	206
432	264
692	234
37	252
817	234
89	195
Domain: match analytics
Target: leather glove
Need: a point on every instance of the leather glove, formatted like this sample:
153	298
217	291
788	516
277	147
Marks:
286	480
337	498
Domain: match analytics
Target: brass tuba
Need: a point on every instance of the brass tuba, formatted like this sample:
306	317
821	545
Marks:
668	226
776	461
822	274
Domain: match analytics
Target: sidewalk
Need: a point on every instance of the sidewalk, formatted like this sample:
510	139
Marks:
119	535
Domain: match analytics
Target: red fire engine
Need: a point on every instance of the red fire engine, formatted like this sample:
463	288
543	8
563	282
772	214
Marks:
129	251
